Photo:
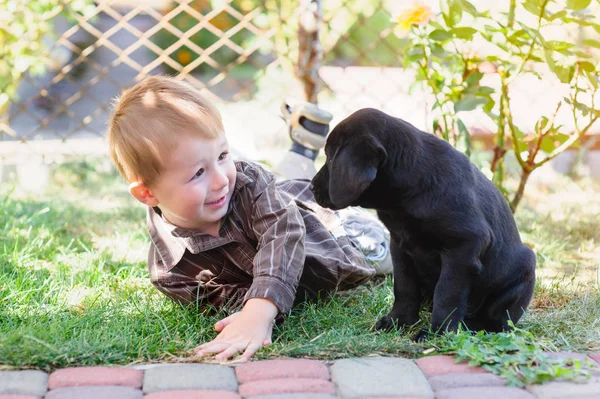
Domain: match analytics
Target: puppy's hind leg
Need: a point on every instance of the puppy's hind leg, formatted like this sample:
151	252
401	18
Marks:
512	302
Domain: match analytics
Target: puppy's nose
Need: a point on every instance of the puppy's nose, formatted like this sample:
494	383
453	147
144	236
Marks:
311	187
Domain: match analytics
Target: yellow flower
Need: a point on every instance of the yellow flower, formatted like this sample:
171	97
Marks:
416	14
184	57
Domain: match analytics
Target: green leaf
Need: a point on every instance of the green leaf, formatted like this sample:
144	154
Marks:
440	35
584	109
532	6
591	43
464	32
592	78
469	103
551	142
564	74
463	133
438	50
415	54
558	15
560	46
474	78
578	4
451	12
468	7
534	34
550	60
587	66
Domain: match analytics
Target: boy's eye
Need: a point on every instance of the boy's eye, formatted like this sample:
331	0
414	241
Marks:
199	172
223	155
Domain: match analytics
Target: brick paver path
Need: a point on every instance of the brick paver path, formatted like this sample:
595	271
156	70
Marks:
369	377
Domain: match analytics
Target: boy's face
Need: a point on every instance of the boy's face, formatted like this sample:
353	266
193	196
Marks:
196	187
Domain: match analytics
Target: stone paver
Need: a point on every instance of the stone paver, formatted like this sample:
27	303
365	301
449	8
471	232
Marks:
384	376
82	376
439	365
25	382
190	376
463	380
193	394
357	378
484	392
286	385
272	369
95	393
559	389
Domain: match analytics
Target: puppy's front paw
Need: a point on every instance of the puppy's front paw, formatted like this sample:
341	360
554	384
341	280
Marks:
386	323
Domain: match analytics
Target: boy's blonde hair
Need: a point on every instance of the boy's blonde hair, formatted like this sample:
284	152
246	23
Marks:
147	120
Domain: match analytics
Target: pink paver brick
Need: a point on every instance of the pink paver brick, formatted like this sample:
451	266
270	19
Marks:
286	385
484	392
440	365
275	369
98	376
193	394
19	397
595	357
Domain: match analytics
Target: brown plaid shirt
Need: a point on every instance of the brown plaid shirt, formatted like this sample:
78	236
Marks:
275	242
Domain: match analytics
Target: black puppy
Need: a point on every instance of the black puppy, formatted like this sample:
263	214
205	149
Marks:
453	237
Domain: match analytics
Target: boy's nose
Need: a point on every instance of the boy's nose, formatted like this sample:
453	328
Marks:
219	180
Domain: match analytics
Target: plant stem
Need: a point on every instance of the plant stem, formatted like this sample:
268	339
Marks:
525	173
497	165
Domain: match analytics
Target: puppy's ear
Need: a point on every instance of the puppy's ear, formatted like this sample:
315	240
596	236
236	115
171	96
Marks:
352	170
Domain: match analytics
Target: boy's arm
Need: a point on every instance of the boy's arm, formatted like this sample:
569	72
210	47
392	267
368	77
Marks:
280	231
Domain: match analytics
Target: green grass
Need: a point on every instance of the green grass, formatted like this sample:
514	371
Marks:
74	288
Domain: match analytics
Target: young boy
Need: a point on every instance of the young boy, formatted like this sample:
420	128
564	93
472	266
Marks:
225	232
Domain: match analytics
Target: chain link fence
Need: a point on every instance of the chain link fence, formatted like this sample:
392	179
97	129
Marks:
246	55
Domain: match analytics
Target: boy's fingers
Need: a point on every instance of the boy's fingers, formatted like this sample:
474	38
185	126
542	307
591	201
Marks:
211	347
252	348
267	342
227	353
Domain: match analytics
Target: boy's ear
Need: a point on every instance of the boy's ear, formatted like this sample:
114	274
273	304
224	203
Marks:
142	193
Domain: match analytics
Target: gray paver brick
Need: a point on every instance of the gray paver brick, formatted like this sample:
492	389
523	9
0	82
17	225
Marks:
95	392
383	376
189	376
563	389
24	382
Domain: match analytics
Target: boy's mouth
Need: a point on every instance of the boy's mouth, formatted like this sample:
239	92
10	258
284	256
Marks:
218	203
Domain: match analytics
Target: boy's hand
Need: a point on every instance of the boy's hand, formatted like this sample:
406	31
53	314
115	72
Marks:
247	331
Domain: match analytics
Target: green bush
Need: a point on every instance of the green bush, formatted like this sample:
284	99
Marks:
23	26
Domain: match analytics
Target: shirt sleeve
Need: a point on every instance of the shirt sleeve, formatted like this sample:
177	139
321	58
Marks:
280	231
